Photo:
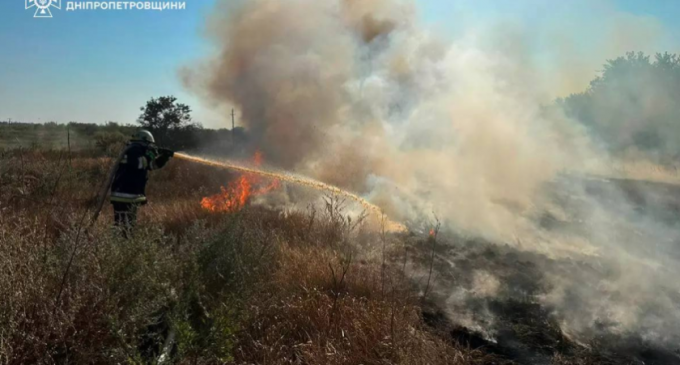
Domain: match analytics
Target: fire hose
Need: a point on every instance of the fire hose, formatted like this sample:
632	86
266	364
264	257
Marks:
295	179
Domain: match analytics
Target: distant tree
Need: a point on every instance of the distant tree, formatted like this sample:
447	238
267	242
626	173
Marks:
633	103
166	118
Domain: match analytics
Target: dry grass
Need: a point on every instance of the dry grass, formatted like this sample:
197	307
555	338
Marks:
310	314
257	286
640	169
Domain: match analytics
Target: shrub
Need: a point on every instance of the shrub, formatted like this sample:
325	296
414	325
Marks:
110	143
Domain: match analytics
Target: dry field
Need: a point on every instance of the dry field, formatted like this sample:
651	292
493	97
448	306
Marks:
253	286
260	285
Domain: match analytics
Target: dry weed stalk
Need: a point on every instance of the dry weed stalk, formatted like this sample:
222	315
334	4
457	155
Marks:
434	233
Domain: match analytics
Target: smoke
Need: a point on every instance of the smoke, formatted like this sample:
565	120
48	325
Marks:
355	93
358	94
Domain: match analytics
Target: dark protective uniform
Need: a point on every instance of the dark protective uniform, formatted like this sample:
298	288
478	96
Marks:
129	182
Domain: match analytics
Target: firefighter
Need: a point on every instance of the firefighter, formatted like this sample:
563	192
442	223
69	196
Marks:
127	190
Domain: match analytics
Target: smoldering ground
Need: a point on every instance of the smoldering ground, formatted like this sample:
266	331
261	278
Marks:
615	299
358	94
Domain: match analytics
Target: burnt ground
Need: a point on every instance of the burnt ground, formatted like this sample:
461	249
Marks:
514	323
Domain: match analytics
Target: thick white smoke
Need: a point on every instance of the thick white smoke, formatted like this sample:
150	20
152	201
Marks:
355	94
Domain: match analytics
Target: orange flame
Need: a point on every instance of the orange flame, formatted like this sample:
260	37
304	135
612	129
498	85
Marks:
237	194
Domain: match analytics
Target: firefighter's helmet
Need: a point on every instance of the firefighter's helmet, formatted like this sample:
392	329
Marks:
143	136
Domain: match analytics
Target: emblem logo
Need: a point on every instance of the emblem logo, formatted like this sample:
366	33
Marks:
43	7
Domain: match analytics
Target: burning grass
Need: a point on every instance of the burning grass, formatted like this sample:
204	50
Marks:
252	285
239	192
247	286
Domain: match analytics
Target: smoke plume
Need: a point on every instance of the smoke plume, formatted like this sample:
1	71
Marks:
358	94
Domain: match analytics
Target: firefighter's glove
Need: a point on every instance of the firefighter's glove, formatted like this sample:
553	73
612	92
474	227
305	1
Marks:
162	160
164	152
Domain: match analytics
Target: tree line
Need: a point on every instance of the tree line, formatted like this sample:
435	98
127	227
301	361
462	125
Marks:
170	122
633	105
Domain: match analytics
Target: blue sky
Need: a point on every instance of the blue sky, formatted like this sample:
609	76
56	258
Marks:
96	66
